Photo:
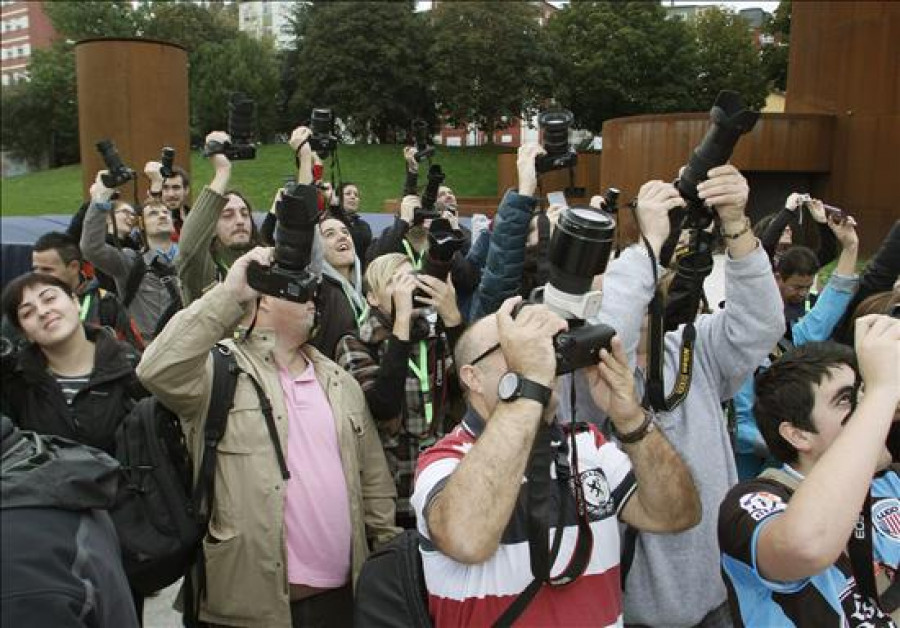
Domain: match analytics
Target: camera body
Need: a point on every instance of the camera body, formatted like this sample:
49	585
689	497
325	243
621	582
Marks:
167	161
290	276
423	149
117	172
241	128
560	155
444	242
427	210
611	200
322	140
579	249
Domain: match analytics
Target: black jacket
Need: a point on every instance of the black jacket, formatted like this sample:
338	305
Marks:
34	400
61	563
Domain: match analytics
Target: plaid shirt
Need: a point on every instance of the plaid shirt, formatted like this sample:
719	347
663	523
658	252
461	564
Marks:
361	355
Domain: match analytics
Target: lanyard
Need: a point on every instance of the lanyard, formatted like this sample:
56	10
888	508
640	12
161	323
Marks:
421	373
416	262
85	307
359	313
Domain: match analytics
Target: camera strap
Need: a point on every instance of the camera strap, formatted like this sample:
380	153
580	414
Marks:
420	370
411	254
655	393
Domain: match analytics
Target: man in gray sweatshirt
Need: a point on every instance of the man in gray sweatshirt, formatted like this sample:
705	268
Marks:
675	579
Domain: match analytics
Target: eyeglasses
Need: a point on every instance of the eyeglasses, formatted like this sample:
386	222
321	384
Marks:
484	354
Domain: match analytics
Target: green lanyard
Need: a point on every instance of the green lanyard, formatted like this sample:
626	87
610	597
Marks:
85	307
360	314
416	262
421	373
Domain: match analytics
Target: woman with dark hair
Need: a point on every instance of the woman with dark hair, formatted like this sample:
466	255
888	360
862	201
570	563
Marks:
801	221
71	380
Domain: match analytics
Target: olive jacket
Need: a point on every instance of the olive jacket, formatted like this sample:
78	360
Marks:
244	548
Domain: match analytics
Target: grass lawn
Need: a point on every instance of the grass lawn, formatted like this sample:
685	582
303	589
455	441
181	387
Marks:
377	169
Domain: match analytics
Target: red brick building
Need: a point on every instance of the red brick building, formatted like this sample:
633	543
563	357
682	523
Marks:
24	28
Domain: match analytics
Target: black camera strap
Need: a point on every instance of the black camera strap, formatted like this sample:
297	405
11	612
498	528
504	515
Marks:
655	392
539	489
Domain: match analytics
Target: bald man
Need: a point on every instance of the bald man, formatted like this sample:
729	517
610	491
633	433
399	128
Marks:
472	504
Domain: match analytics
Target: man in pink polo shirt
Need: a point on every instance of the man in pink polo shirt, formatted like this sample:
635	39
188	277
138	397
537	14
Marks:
302	489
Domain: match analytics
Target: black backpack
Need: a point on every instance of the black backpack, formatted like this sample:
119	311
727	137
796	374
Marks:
160	515
390	591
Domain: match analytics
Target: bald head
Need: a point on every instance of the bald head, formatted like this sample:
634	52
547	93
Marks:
475	340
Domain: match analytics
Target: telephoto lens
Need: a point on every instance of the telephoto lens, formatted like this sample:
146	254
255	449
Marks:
168	161
580	248
117	172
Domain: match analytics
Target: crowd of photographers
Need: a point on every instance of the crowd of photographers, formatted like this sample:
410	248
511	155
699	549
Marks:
557	432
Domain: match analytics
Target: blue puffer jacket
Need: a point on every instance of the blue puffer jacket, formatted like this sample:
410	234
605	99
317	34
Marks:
501	277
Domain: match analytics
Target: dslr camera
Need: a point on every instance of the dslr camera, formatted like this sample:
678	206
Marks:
436	177
167	161
322	140
290	276
560	154
423	149
241	128
117	172
579	249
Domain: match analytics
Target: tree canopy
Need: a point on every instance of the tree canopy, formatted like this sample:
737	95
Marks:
727	58
613	59
487	61
364	60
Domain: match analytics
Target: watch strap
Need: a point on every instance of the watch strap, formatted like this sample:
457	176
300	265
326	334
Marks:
633	437
532	390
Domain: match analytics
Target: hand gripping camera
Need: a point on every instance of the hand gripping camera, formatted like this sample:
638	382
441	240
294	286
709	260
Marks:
291	277
443	243
241	129
578	250
560	155
117	172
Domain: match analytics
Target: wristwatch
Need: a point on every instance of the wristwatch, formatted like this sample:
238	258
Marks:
513	386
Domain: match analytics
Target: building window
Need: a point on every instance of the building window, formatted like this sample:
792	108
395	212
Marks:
6	79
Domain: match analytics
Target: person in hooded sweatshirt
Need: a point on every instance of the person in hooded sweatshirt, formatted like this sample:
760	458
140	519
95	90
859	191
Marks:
342	305
61	562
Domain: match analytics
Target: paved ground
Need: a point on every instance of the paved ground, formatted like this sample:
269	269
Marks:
158	611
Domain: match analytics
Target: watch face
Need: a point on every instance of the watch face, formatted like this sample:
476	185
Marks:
508	386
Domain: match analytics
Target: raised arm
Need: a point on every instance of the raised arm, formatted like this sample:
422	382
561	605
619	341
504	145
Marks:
739	337
814	528
467	517
195	264
666	498
106	257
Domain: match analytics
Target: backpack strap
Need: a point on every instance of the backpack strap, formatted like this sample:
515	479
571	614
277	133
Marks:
225	374
859	546
133	280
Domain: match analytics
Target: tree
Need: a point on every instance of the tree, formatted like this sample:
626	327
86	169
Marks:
486	61
40	117
238	63
727	58
775	55
614	59
365	60
84	20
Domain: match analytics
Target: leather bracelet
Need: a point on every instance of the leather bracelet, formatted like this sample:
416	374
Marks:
735	236
633	437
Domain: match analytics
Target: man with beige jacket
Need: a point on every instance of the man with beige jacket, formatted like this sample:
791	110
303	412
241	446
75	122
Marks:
302	492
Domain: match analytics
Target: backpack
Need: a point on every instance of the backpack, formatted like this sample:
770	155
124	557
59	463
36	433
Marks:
390	590
160	515
166	274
